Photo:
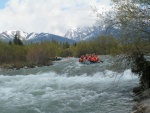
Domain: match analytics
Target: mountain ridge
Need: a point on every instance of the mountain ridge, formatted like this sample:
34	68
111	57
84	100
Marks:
85	33
7	36
89	33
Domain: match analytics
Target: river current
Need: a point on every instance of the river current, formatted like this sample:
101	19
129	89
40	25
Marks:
69	87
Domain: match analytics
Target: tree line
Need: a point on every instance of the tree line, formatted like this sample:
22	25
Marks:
16	54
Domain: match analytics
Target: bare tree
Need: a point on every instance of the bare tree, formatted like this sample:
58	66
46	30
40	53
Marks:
132	18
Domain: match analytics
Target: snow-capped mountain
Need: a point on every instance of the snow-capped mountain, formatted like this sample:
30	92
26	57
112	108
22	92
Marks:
32	37
9	35
85	33
88	33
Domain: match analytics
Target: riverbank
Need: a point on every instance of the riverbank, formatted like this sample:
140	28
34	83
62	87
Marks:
142	68
17	66
143	104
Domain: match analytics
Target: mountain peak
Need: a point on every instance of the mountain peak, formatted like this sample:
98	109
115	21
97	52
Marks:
32	37
84	33
88	33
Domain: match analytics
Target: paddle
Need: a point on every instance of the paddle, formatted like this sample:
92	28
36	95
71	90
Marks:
101	61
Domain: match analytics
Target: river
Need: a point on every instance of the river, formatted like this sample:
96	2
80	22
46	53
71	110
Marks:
69	87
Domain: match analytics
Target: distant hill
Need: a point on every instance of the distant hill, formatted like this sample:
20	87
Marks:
33	37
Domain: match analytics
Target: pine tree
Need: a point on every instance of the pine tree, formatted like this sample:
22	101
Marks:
17	41
10	43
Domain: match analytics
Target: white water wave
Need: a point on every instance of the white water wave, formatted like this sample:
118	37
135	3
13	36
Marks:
54	92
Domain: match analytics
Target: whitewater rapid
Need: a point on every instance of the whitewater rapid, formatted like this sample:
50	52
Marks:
68	87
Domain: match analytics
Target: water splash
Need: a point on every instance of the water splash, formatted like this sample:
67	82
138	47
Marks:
73	88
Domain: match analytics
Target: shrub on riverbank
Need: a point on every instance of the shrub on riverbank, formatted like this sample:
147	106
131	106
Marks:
41	53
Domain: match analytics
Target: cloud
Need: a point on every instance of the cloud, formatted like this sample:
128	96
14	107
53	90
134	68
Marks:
51	16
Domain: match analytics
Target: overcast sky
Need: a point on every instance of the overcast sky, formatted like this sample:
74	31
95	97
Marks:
49	16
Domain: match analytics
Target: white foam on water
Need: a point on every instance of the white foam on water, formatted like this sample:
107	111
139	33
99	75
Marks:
51	78
59	90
